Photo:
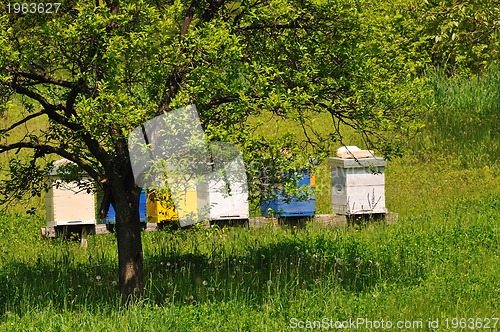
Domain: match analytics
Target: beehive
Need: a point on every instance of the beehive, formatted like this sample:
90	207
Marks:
227	183
358	185
228	204
67	203
294	207
189	210
111	217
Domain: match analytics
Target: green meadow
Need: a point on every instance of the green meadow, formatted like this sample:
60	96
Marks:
435	269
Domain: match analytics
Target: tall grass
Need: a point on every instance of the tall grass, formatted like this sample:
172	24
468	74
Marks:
440	264
465	121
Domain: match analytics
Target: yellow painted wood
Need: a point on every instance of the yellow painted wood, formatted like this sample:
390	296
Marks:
312	181
163	210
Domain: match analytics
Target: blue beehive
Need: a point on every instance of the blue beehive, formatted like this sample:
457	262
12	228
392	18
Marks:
111	217
291	207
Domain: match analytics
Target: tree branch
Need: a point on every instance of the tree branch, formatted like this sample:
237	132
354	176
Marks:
106	201
171	88
20	122
40	79
173	82
53	149
213	8
70	102
221	100
48	108
293	25
51	109
189	17
33	95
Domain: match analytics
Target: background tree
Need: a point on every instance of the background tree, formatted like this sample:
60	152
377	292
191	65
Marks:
460	36
465	34
95	71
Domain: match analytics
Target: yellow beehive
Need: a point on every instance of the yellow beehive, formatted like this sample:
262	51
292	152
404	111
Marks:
162	209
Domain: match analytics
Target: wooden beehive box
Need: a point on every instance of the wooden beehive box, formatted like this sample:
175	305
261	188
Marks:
228	204
226	183
191	205
282	206
358	186
111	216
67	204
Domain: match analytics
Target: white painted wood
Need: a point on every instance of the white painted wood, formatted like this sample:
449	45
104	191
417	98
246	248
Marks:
67	205
228	204
356	163
233	206
369	200
227	187
357	189
353	177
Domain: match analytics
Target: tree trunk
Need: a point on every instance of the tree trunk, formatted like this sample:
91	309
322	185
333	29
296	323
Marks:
128	232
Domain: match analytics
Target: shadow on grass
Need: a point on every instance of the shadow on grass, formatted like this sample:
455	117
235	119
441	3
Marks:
260	274
275	271
60	284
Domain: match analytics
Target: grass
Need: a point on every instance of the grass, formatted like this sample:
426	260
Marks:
465	122
439	261
440	264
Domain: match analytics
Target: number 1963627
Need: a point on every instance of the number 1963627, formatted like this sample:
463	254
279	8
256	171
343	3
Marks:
33	7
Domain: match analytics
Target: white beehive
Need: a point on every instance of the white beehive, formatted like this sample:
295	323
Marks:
358	185
229	197
67	204
225	205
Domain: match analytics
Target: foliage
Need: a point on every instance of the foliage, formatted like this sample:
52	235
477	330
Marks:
465	34
104	71
461	37
96	70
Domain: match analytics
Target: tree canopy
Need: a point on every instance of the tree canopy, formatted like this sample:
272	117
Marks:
95	70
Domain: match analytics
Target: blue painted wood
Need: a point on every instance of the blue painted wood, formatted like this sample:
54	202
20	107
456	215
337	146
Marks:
111	217
281	207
